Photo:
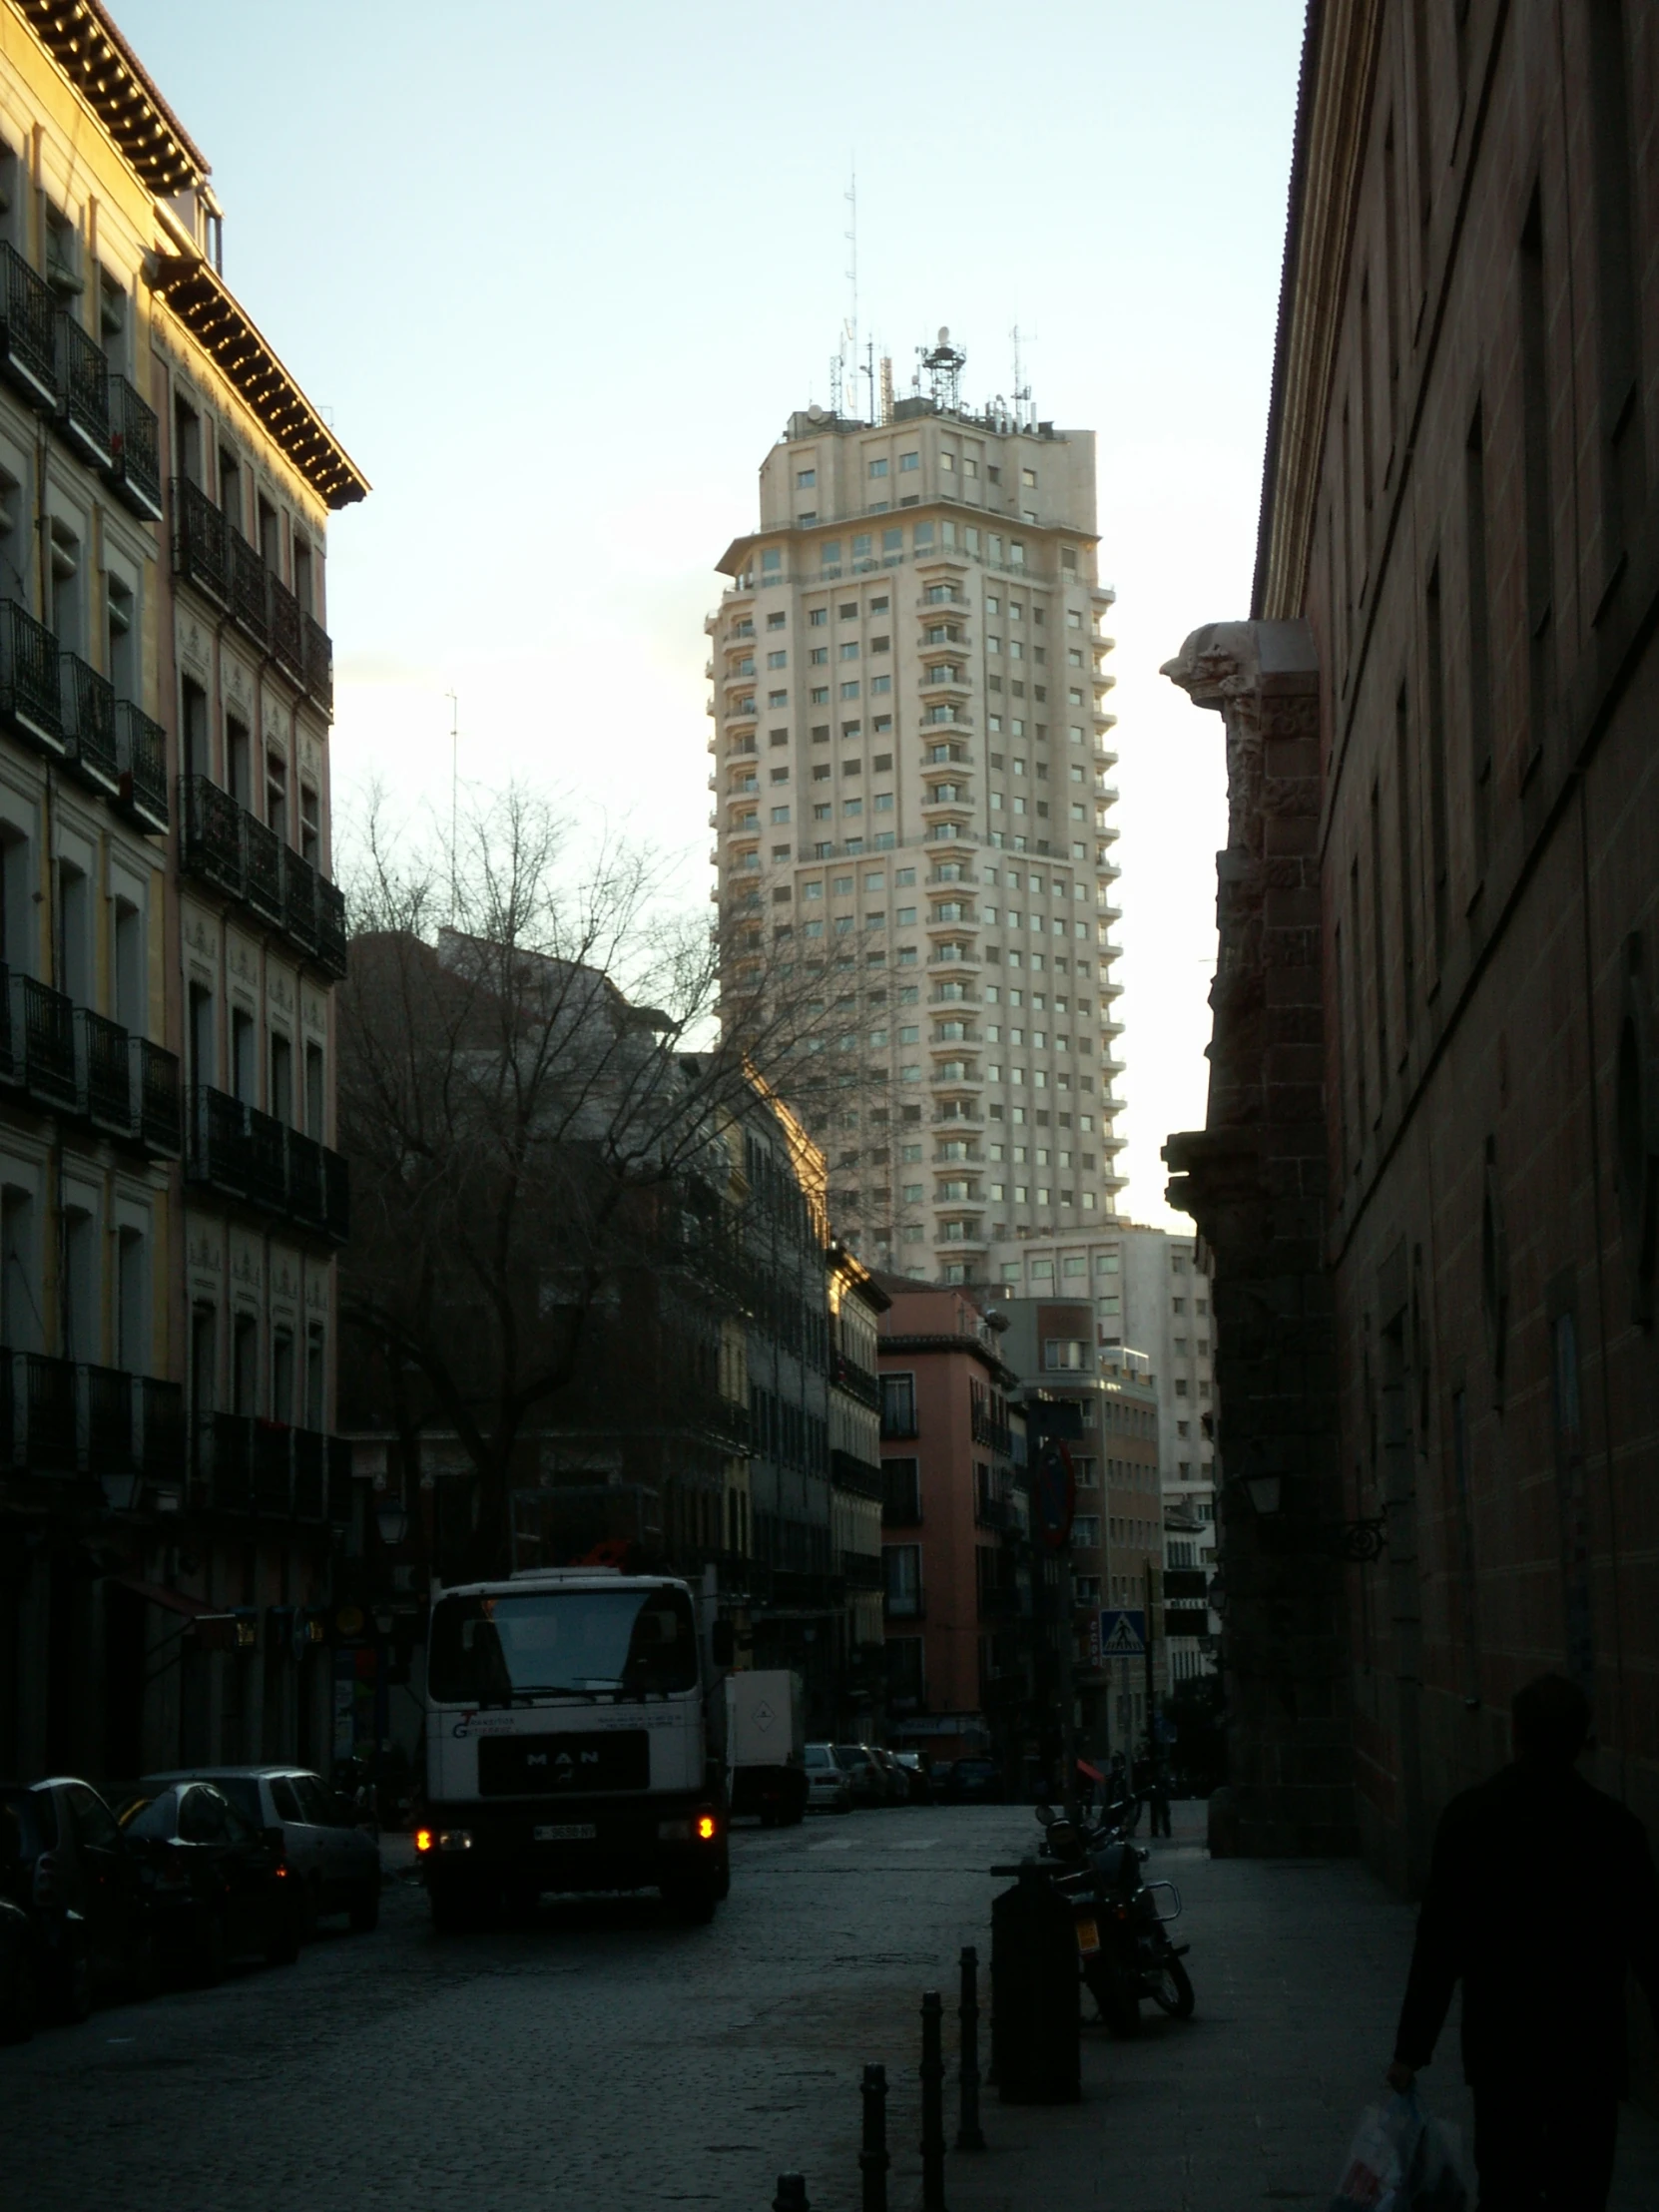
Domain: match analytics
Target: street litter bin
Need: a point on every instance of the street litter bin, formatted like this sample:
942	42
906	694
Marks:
1035	2021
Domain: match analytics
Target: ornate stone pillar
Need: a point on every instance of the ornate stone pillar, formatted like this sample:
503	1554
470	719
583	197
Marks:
1255	1180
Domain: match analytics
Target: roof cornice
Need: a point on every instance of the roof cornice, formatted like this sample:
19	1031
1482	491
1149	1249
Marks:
1338	69
82	37
196	292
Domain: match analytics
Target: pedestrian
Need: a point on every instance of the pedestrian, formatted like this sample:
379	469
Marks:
1158	1799
1541	1893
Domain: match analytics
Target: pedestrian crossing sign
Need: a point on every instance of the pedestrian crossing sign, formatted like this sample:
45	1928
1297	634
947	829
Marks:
1122	1634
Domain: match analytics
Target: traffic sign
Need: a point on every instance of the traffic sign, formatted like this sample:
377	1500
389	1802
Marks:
1122	1634
1054	1496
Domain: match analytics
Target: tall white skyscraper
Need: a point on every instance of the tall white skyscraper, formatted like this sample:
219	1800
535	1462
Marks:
913	803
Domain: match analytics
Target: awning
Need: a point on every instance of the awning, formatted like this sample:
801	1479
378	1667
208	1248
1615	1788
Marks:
172	1602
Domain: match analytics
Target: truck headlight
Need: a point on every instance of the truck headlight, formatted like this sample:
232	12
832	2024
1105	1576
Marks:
454	1839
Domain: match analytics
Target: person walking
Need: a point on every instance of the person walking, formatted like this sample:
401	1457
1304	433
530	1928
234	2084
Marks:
1157	1796
1542	1896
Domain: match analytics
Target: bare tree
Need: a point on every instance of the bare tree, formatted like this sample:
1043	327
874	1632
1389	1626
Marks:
537	1080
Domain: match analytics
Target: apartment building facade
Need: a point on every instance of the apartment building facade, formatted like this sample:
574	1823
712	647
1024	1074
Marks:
1428	1171
958	1597
911	763
1150	1293
1102	1404
170	1206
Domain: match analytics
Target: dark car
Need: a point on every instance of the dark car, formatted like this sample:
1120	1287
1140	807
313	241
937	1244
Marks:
917	1780
896	1781
65	1861
223	1887
20	1972
869	1780
974	1782
332	1860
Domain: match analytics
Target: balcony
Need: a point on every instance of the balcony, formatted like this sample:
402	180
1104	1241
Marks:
88	716
45	1430
135	465
28	336
856	1381
42	1023
246	576
83	393
214	556
141	766
201	549
255	1467
66	1417
106	1072
251	1157
856	1476
29	694
227	847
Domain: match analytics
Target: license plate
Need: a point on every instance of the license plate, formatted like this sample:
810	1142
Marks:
571	1832
1088	1937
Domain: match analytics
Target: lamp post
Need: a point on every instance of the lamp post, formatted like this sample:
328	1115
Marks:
1356	1541
391	1519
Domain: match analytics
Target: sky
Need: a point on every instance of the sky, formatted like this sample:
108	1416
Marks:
557	275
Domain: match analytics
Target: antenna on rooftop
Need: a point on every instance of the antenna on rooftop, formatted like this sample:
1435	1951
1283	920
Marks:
1024	412
850	328
455	799
944	366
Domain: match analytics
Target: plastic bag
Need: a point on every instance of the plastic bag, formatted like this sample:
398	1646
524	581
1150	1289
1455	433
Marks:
1401	2160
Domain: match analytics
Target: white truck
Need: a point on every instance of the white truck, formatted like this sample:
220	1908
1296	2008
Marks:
766	1745
569	1744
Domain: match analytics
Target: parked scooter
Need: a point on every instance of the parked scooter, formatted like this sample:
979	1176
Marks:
1123	1944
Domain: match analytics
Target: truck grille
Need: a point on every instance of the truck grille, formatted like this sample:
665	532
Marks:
542	1765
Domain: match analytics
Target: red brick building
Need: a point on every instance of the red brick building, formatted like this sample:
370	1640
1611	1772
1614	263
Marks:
1431	1171
950	1521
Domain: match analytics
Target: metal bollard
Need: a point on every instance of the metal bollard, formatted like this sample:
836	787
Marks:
932	2102
874	2160
969	2134
792	2194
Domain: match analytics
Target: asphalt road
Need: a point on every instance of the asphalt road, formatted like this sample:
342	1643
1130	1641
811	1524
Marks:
606	2057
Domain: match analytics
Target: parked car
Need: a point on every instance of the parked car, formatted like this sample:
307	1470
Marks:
20	1972
916	1778
223	1886
894	1781
869	1783
974	1782
330	1855
829	1784
65	1863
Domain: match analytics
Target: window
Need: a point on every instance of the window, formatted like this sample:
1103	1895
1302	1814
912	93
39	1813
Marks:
778	659
64	614
1085	1533
1028	477
901	1493
879	467
280	1101
898	1405
276	792
119	665
63	250
909	461
806	478
901	1564
818	617
281	1375
1061	1354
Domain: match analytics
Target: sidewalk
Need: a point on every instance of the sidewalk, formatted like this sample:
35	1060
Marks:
1299	1967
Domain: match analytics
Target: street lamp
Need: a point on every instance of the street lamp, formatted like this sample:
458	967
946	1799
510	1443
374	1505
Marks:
1358	1542
391	1519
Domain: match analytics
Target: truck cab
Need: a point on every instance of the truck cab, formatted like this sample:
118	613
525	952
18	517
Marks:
568	1744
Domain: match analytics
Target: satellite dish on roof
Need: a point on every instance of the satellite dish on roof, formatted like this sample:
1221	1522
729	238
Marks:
944	334
814	413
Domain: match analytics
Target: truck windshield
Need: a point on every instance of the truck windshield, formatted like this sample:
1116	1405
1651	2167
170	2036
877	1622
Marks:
569	1643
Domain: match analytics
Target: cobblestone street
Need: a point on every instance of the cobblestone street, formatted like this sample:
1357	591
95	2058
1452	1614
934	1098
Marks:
610	2058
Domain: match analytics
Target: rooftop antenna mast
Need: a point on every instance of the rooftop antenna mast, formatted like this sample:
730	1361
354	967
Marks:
454	801
1026	414
850	328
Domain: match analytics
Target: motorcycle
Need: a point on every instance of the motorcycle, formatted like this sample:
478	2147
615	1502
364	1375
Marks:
1124	1950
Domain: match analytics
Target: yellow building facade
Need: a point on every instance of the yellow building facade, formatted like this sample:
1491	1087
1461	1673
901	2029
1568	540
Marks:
170	1207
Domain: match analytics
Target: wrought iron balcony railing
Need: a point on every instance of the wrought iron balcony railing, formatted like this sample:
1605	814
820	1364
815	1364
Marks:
229	847
105	1067
135	450
68	1416
88	715
43	1043
83	379
248	1465
214	556
29	687
253	1157
200	548
28	313
141	765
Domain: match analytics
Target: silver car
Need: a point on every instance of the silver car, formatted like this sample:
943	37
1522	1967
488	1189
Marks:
829	1784
337	1862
